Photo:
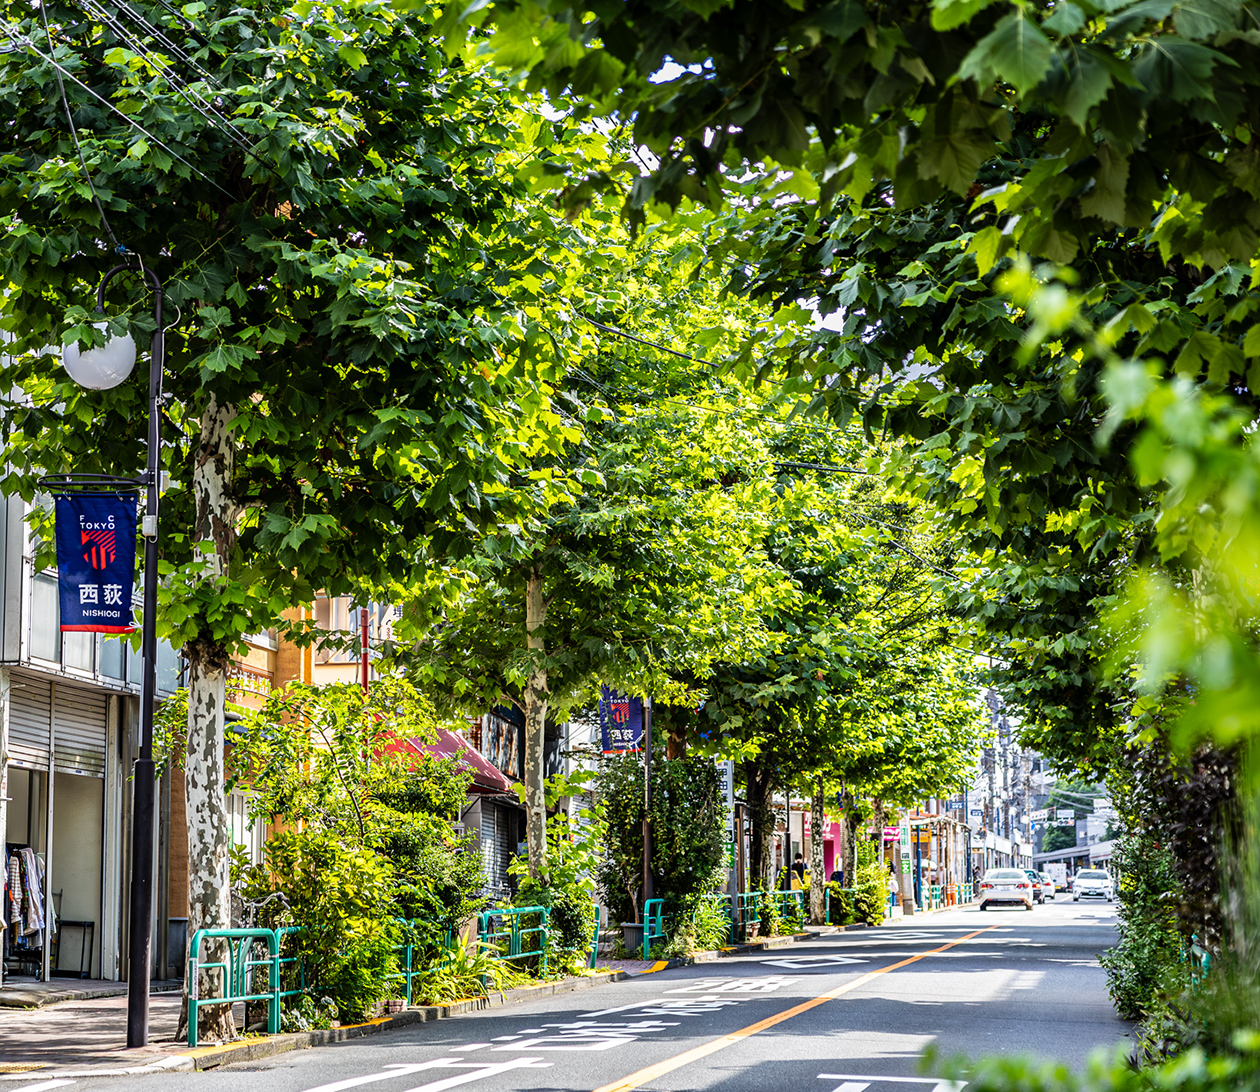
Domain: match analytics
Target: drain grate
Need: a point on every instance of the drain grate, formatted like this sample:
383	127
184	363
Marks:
21	1067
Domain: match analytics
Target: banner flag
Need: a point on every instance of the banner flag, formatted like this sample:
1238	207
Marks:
96	560
620	722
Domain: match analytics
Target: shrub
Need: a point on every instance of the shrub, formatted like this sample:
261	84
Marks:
346	947
688	831
469	969
1145	970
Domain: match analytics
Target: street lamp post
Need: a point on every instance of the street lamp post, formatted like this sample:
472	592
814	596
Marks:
103	369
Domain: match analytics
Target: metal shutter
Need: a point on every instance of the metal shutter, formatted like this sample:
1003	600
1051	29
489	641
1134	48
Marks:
29	701
489	838
79	738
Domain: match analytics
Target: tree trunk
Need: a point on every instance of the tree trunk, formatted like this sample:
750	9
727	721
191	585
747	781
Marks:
536	697
880	823
209	891
757	781
849	844
817	881
676	742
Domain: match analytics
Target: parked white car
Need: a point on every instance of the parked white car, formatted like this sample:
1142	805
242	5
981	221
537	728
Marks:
1007	886
1047	886
1093	883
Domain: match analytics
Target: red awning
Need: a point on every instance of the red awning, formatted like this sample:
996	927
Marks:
486	779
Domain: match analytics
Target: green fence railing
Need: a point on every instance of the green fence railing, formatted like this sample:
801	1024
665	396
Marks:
254	968
505	931
237	972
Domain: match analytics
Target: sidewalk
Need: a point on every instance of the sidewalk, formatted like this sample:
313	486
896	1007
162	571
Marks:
86	1035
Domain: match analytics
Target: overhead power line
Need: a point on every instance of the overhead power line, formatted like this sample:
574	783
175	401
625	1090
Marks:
25	42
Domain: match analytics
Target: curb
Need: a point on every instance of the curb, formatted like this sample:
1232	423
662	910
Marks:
252	1050
31	999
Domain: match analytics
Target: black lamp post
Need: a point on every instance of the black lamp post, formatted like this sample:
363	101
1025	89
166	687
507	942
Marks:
102	369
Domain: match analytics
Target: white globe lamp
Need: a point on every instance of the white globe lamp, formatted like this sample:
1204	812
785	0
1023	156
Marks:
102	368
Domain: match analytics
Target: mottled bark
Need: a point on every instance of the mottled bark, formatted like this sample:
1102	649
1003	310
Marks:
879	833
758	789
848	854
209	892
536	698
817	880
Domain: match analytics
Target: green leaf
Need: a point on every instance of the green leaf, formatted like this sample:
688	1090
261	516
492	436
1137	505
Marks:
948	14
352	55
1016	52
954	159
1107	198
1089	80
1067	19
1179	70
985	245
1251	343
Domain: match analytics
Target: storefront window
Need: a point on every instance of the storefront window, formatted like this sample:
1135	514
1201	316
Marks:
167	667
111	660
77	650
45	619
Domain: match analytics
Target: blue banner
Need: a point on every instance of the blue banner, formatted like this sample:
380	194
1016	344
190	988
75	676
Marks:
620	722
96	560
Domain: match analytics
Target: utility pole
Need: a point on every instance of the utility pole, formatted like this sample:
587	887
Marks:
647	805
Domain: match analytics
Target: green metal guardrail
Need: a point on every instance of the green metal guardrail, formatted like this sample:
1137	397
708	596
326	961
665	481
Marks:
744	913
237	971
503	930
511	933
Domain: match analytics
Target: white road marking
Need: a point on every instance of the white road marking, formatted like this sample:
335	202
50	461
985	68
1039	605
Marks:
395	1069
469	1046
671	1006
42	1085
861	1081
809	962
488	1069
766	984
589	1035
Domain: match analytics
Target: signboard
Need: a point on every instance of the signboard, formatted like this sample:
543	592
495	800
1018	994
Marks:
892	834
1040	815
620	722
96	560
904	837
905	862
1104	808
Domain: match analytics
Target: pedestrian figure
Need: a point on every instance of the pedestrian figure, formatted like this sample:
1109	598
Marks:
798	866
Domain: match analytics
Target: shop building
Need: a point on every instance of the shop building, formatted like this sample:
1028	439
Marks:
69	723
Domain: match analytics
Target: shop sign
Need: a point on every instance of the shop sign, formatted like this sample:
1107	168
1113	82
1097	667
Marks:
96	560
620	722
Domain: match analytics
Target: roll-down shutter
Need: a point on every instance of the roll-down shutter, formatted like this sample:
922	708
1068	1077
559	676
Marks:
79	739
28	722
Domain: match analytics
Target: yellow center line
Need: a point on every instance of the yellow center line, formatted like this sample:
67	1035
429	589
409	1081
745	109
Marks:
637	1080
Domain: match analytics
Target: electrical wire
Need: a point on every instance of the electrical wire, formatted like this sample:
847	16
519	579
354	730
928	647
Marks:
187	93
21	40
171	45
74	135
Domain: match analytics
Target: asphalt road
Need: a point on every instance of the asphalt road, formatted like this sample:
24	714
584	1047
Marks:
849	1013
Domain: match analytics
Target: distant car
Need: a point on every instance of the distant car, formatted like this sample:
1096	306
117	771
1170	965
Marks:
1009	886
1038	890
1093	883
1047	886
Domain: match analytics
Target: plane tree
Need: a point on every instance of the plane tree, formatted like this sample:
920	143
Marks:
355	344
